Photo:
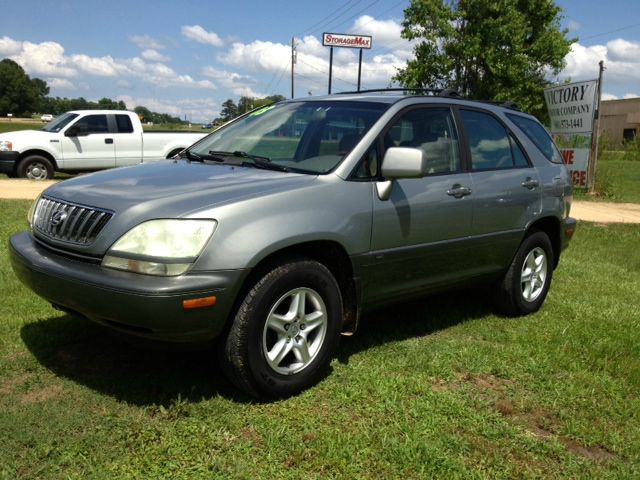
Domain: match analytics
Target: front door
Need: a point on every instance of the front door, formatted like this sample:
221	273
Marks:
419	236
93	148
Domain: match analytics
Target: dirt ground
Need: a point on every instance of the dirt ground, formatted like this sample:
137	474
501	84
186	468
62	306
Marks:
600	212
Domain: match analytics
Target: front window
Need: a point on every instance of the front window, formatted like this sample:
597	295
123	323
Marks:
58	123
308	137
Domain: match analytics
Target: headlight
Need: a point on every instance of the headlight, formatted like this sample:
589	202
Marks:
160	247
32	212
5	146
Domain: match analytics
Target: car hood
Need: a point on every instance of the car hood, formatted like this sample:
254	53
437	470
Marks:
27	137
172	188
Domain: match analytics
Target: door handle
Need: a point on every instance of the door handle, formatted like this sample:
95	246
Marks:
530	183
108	141
458	191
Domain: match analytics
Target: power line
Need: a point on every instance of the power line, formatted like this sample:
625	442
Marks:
610	31
354	16
325	19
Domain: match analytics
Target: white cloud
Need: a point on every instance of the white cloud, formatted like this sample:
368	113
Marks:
608	96
60	84
154	56
380	64
99	66
145	41
196	109
48	59
200	35
630	95
8	46
239	84
573	25
385	33
623	51
621	60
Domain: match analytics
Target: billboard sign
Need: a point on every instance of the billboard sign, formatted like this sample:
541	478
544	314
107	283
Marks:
571	108
346	40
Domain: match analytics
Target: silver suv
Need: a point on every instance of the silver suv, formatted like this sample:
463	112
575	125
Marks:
277	231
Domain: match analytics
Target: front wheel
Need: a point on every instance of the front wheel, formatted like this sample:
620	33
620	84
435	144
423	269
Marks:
284	334
35	167
526	283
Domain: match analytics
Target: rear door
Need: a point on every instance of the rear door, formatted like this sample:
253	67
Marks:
419	236
506	191
128	143
93	148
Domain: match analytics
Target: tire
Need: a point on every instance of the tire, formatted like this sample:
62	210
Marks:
284	333
524	287
35	167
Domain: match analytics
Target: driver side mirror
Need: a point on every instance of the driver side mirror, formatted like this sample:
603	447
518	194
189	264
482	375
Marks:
74	131
398	163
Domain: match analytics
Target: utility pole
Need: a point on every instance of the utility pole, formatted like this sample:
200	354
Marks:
591	169
293	62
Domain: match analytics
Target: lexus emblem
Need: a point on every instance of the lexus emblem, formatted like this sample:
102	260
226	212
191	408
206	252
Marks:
58	217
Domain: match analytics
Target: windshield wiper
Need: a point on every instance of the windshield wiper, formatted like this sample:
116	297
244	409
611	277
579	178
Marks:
257	160
195	157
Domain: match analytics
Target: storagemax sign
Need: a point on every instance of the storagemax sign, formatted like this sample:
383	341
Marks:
571	106
344	40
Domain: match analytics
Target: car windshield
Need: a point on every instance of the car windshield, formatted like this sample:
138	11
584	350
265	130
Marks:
59	123
307	136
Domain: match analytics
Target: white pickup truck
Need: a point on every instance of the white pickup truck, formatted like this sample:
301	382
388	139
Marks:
87	140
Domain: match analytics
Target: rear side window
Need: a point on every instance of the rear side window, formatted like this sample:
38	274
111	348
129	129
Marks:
124	124
538	135
489	141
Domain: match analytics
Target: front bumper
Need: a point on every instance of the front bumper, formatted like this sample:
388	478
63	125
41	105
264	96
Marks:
140	305
8	162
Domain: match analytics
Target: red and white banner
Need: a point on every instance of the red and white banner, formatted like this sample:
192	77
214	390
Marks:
345	40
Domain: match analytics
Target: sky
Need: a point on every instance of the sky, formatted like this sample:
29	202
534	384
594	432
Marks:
187	57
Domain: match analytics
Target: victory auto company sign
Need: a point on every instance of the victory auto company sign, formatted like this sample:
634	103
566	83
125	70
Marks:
344	40
571	106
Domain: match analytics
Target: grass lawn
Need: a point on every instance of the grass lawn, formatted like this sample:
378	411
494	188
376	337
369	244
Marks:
617	179
14	126
440	388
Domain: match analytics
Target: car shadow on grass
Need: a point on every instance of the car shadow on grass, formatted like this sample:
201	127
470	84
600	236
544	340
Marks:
417	318
74	348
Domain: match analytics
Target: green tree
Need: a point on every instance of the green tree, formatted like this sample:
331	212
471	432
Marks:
19	94
229	110
486	49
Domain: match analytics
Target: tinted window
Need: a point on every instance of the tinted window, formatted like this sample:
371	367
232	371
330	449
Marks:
304	136
488	141
93	124
124	124
432	130
59	123
519	158
539	136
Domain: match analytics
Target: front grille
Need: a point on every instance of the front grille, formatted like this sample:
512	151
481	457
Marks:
69	222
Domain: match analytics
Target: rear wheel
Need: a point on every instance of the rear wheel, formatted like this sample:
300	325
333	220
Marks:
35	167
526	283
284	334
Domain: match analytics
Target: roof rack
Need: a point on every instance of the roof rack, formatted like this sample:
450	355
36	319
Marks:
435	92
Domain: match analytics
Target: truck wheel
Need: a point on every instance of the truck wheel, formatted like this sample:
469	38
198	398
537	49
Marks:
285	331
35	167
526	283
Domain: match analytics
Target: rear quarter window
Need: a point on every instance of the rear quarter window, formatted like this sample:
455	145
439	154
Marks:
538	135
